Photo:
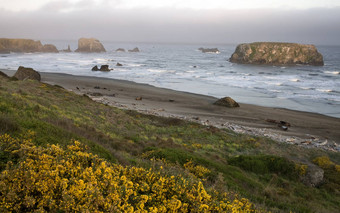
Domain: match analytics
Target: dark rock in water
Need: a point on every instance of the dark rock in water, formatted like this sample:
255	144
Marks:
90	45
120	50
24	73
227	102
68	50
119	64
209	50
314	176
105	68
95	68
134	50
49	48
272	53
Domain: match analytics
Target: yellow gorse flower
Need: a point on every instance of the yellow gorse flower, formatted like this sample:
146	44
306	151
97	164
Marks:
72	180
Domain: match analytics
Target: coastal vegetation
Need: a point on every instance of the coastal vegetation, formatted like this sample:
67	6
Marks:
64	152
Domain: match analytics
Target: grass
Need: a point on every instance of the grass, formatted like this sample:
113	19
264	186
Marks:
259	169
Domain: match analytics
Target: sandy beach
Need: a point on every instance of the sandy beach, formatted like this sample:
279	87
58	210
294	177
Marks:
307	129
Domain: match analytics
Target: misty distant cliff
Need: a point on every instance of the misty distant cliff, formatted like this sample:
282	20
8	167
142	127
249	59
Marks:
24	45
277	54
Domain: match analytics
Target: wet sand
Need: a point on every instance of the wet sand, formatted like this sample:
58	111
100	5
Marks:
307	129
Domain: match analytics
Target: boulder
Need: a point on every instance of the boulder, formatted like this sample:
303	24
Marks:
95	68
273	53
104	68
120	50
24	73
209	50
227	102
314	176
119	64
90	45
49	48
135	50
3	74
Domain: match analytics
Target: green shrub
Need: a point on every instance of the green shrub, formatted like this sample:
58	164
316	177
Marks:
264	164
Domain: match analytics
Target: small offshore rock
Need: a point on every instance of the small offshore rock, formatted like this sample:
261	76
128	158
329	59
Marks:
209	50
135	50
120	50
227	102
119	64
24	73
95	68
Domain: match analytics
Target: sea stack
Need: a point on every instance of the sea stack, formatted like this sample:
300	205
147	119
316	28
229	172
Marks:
273	53
90	45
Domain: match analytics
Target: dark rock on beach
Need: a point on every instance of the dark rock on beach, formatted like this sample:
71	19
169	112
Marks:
209	50
135	50
24	73
227	102
25	45
120	50
90	45
273	53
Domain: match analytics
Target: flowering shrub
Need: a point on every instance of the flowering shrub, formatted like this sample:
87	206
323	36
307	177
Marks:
72	180
198	170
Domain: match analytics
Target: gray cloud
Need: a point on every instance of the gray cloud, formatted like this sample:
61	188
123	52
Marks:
56	21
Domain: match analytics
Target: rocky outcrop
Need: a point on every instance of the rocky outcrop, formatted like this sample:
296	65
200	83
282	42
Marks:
314	176
49	48
103	68
120	50
227	102
24	73
90	45
134	50
68	50
25	45
209	50
119	64
272	53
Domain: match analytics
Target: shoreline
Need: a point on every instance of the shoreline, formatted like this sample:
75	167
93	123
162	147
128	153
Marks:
307	129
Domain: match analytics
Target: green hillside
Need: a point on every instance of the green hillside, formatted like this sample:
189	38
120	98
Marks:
64	152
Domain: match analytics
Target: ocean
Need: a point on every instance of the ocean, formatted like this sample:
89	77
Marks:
183	67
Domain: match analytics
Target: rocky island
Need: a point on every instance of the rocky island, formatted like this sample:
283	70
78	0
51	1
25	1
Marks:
90	45
25	45
273	53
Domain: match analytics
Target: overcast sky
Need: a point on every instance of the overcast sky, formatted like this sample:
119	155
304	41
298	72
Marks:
194	21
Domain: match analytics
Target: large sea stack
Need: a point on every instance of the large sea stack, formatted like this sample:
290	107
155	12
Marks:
25	45
273	53
90	45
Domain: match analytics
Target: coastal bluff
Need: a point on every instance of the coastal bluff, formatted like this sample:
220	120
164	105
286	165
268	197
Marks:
90	45
273	53
25	45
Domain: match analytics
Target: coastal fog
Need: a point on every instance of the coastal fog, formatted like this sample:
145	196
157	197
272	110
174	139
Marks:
173	21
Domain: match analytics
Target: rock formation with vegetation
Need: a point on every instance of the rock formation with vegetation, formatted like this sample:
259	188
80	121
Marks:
90	45
272	53
25	45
